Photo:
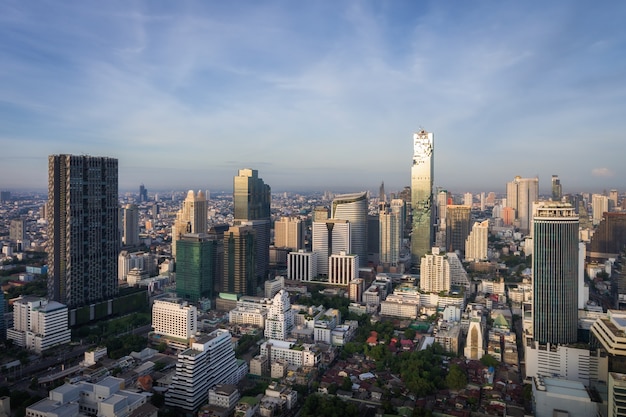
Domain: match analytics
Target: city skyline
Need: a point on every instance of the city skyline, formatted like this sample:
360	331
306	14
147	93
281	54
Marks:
184	96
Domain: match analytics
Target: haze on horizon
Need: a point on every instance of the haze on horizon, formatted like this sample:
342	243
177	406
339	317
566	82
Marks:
322	96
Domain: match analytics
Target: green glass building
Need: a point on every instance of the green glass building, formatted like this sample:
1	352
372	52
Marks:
196	266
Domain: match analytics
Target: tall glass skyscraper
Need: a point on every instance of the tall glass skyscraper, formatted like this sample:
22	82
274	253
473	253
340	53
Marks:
83	229
353	208
252	200
196	266
555	273
422	195
191	218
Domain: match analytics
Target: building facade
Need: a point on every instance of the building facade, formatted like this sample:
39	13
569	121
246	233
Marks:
191	218
422	173
289	233
392	217
239	261
457	227
330	237
476	243
83	236
342	268
555	274
197	266
302	266
39	324
353	208
435	272
521	193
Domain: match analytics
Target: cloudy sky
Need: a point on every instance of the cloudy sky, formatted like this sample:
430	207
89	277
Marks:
316	94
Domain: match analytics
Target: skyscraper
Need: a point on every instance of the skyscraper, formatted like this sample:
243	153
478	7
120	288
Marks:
477	242
521	193
130	225
555	273
289	233
599	206
191	218
391	222
353	208
422	195
557	191
434	272
239	261
143	193
330	237
83	231
196	266
252	200
457	227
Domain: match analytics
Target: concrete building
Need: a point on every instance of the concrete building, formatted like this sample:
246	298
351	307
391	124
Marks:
521	193
107	398
209	361
302	265
39	324
474	343
83	229
557	190
422	173
224	396
559	397
130	225
435	272
330	237
599	206
355	289
294	354
568	362
143	261
617	395
392	217
177	323
342	268
289	233
280	319
477	242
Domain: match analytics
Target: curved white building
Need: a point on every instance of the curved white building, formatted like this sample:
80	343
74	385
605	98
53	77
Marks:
353	208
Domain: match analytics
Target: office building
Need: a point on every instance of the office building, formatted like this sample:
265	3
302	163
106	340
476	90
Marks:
302	266
209	361
521	193
191	218
613	198
280	319
609	238
289	233
83	237
353	208
477	242
176	323
599	206
239	261
252	200
197	267
391	226
143	194
422	173
330	237
468	199
145	262
355	289
617	395
321	214
457	227
557	190
130	225
435	272
39	324
559	397
555	273
342	268
17	230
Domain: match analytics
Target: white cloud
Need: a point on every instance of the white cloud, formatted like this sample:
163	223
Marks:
602	172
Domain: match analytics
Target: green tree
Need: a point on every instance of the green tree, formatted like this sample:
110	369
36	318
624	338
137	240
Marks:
489	360
346	385
456	378
409	333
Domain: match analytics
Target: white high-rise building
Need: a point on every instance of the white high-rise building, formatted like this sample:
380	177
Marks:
330	237
39	324
391	226
302	266
289	233
210	361
474	343
280	320
174	320
476	242
521	193
434	272
191	218
353	208
342	268
599	205
458	275
468	199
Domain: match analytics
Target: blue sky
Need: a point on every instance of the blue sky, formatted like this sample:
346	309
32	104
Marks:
316	94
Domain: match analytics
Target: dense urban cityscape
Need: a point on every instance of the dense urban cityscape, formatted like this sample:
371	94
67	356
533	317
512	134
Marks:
409	302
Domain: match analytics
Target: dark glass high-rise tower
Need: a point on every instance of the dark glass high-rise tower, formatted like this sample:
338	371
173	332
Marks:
252	199
555	273
83	235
